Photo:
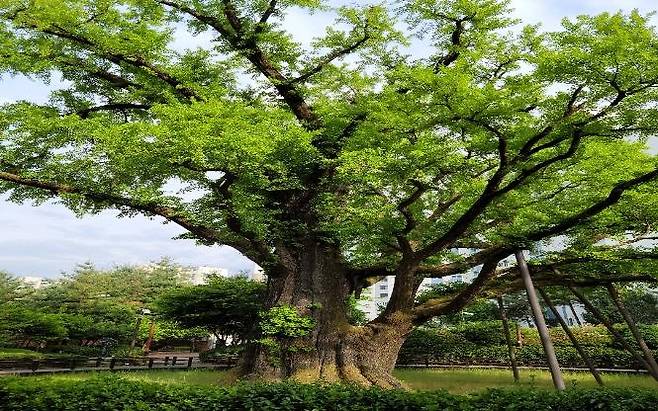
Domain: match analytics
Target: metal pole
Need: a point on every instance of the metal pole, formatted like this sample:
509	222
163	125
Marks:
553	365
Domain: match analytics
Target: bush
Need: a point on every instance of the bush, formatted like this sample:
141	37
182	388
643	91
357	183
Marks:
222	354
116	393
484	343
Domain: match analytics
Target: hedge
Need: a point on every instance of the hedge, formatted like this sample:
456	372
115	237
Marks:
484	343
116	393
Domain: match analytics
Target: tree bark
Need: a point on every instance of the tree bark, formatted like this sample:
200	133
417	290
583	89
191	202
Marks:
508	339
572	338
648	355
313	280
599	316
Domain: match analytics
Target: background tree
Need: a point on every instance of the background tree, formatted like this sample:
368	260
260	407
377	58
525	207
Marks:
641	301
91	304
327	173
225	307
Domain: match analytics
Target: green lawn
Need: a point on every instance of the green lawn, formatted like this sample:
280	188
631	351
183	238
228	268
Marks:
18	354
455	381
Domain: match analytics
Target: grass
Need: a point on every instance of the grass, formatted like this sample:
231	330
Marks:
19	354
459	381
456	381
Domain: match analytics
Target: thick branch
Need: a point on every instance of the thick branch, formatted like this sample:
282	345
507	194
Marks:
613	197
440	306
170	214
111	107
455	42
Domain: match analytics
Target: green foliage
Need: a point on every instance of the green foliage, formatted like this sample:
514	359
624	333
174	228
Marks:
171	331
224	306
355	315
112	393
230	354
88	304
484	343
285	322
282	329
19	354
19	323
640	301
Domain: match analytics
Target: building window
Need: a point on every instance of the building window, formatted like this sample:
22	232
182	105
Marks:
383	287
383	295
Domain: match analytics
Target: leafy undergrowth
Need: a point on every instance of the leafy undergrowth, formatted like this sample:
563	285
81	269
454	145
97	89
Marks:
116	392
456	381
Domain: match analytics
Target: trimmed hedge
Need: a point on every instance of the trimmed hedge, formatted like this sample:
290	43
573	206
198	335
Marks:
116	393
484	343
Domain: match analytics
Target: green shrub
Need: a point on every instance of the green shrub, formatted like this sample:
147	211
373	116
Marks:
222	354
484	343
116	393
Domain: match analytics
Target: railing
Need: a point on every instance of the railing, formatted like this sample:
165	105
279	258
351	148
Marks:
107	363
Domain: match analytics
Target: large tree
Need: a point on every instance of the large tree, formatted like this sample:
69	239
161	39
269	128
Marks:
332	161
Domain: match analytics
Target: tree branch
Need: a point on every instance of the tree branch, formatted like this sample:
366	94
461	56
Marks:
455	42
110	107
329	58
435	307
116	58
204	233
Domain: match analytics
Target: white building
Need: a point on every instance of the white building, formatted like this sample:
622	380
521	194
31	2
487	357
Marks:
199	275
34	282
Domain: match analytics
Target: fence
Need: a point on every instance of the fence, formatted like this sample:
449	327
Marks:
107	363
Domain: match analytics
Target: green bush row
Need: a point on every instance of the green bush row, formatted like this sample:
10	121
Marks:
484	343
115	393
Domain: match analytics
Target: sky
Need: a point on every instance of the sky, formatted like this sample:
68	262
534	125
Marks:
48	240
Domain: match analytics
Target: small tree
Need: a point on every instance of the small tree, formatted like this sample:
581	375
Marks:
226	307
638	299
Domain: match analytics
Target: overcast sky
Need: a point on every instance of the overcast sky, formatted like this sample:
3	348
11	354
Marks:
49	239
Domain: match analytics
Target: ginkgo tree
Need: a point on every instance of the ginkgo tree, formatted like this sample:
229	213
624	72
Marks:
415	138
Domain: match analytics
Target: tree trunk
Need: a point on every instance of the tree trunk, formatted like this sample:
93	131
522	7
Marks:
572	338
508	339
313	280
599	316
648	355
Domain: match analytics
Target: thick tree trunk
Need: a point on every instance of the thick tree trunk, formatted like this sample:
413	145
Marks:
313	281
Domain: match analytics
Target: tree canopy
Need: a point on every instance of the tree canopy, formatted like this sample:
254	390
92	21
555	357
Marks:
226	307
